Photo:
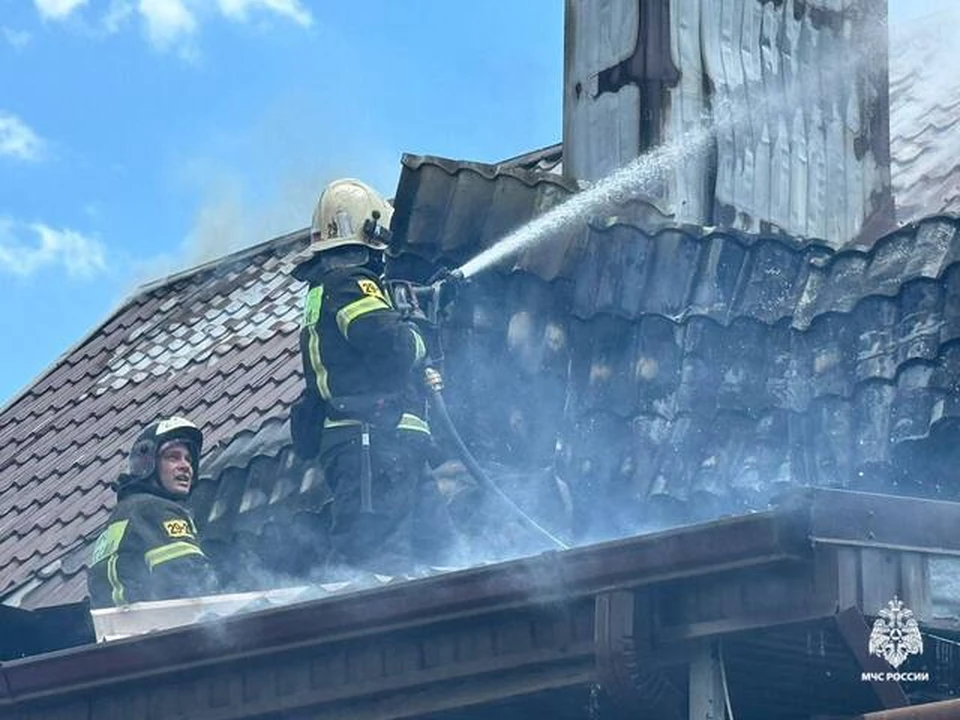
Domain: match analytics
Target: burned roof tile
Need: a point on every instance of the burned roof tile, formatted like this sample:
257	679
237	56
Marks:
924	126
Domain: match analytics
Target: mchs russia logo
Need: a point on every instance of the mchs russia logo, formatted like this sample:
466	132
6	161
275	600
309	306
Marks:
895	637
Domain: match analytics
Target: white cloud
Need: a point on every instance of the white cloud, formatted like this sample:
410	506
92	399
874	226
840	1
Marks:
168	24
18	39
57	9
27	248
17	139
119	12
239	9
168	21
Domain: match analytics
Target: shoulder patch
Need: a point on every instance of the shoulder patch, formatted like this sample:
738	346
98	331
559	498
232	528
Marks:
369	287
109	541
178	528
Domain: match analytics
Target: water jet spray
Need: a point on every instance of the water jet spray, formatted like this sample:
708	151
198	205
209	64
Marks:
638	177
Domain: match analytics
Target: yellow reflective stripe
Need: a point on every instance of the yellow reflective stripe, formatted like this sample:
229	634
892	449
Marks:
351	312
421	351
312	306
114	579
171	551
412	422
328	423
407	422
311	317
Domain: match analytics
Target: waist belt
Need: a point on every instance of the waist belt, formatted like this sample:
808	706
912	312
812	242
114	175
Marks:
408	421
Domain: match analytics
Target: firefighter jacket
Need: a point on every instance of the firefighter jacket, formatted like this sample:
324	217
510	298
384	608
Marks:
148	551
359	354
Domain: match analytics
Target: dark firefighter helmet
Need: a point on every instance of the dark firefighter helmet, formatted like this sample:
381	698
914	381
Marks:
142	461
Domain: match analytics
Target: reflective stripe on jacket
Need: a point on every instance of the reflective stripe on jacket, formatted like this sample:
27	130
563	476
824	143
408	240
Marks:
353	342
149	550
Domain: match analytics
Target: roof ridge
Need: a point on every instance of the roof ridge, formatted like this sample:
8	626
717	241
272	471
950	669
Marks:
488	171
243	253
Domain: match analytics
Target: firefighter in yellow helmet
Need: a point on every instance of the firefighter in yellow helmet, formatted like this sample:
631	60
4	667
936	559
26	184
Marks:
150	549
363	408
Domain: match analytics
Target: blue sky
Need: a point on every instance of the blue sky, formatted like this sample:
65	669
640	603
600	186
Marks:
142	136
138	136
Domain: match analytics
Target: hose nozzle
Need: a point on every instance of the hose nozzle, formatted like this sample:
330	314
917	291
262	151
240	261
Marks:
433	379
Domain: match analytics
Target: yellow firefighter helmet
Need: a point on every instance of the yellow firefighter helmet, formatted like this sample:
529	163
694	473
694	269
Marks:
350	212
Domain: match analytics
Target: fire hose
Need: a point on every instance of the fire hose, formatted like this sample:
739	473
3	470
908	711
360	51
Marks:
422	305
434	382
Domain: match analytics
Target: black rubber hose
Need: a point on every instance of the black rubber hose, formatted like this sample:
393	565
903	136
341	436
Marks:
440	408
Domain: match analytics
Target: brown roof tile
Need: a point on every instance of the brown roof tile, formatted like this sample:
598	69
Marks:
218	344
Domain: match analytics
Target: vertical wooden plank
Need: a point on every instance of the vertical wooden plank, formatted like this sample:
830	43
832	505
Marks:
401	656
583	623
63	711
825	593
706	685
746	46
600	130
328	669
879	579
514	636
225	690
837	189
187	696
155	704
253	680
165	701
690	194
364	663
475	644
543	629
441	648
915	584
709	601
721	101
848	577
644	618
291	678
731	599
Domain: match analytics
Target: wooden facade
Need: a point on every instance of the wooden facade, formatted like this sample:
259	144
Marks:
796	91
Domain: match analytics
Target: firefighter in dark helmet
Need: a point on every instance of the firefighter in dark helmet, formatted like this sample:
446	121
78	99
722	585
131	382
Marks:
149	549
363	408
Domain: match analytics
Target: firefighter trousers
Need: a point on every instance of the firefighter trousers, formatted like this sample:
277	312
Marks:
396	524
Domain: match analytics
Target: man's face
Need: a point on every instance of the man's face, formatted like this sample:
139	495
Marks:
175	470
